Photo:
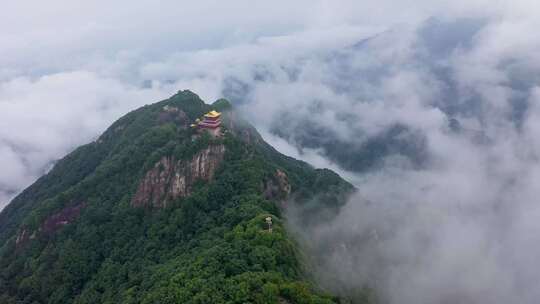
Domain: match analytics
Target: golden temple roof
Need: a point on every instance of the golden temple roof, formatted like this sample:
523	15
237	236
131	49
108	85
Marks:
212	114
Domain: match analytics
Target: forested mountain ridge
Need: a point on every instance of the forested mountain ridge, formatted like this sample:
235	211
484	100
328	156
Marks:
155	211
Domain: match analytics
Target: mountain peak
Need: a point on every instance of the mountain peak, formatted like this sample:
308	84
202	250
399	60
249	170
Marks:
222	105
156	202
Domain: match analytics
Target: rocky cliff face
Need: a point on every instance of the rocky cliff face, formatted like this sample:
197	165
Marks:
170	178
174	115
51	224
278	187
241	129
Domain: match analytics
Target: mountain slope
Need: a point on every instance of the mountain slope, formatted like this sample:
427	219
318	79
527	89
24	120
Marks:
155	212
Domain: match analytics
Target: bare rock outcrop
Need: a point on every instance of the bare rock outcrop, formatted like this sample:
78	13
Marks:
170	178
278	187
22	237
174	115
61	218
51	224
241	129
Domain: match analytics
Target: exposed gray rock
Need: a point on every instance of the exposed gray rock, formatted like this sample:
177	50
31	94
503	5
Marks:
170	178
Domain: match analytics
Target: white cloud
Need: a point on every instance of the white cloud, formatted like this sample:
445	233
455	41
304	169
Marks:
461	227
42	119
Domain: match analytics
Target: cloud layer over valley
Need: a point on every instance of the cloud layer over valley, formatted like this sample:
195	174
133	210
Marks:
432	110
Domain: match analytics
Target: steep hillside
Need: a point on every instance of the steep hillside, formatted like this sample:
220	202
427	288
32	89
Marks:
156	211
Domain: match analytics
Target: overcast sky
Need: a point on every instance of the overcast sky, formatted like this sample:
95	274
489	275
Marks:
69	68
463	226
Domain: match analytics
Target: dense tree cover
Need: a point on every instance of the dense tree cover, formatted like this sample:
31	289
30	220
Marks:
210	247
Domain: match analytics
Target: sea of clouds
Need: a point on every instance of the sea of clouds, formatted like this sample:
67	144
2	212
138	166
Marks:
461	228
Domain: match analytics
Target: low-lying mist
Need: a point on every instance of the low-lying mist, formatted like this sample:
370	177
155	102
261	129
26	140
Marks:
436	121
459	226
463	230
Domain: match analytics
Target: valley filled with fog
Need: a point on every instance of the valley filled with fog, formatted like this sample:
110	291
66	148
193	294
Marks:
431	110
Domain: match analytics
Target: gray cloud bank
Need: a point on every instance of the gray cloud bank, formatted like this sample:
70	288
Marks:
463	226
447	215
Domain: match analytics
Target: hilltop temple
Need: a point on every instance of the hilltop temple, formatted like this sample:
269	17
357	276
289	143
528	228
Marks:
211	121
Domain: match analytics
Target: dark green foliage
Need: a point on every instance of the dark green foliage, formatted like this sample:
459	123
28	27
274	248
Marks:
210	247
222	105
